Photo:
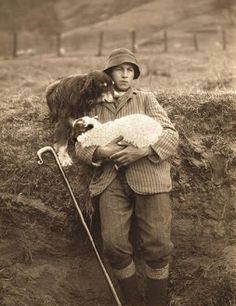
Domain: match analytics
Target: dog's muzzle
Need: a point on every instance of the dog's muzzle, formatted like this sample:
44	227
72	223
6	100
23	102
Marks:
108	97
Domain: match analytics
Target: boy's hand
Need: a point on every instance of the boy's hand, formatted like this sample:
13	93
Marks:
129	154
108	150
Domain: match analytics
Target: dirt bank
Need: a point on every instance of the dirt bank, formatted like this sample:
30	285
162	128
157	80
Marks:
40	263
45	257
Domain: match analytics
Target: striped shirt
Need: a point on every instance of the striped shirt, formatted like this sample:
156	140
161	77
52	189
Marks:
147	175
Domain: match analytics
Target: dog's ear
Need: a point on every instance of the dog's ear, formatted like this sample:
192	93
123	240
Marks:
85	95
52	97
87	90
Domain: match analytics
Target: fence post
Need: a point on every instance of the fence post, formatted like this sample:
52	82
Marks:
58	40
224	40
133	41
100	43
14	44
165	39
195	41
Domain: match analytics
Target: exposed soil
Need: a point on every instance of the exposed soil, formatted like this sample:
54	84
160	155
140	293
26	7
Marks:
40	263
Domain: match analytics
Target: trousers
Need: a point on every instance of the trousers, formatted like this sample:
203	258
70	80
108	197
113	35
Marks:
153	219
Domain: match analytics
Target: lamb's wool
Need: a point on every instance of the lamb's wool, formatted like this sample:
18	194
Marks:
137	129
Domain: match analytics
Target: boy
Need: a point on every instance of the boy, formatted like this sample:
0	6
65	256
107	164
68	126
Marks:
144	192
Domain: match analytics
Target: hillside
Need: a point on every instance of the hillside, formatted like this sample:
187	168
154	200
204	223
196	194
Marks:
81	13
83	23
148	18
141	14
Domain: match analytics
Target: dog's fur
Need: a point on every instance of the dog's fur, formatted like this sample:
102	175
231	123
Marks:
72	97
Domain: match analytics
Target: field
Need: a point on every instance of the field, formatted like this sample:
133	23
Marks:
45	257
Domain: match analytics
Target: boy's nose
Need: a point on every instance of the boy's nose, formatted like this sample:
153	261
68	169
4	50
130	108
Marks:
125	74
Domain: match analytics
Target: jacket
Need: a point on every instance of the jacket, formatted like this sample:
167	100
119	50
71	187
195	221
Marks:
147	175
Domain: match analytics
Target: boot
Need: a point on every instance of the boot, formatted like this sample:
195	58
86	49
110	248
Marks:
157	292
130	291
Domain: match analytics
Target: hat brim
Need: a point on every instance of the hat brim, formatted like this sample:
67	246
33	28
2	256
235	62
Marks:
136	69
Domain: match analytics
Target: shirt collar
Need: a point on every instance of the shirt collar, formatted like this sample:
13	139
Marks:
127	95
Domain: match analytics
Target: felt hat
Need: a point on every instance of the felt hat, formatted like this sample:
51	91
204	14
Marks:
120	56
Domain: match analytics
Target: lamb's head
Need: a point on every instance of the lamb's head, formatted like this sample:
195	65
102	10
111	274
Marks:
84	124
90	122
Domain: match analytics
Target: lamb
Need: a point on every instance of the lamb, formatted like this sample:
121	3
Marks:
137	129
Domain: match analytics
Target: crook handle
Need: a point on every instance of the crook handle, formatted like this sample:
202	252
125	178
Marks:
43	150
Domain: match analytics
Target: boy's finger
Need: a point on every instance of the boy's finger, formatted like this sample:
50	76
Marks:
115	155
117	139
123	143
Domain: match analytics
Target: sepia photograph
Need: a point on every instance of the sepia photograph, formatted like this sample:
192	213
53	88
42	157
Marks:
118	153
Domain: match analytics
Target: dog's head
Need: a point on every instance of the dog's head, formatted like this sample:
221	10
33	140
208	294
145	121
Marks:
98	87
76	94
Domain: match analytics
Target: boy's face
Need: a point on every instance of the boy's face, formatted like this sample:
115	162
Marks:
123	76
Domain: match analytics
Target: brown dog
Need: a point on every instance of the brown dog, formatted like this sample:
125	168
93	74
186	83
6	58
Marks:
72	97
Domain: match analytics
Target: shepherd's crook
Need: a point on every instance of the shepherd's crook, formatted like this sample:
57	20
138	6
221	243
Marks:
111	286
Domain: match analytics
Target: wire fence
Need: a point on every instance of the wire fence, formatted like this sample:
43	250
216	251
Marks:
100	43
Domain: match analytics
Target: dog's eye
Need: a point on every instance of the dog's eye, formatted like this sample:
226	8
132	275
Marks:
104	84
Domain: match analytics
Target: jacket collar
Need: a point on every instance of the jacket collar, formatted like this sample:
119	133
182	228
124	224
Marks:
122	101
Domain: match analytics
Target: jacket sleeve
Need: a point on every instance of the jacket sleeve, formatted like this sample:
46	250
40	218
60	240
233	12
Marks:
167	144
85	155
